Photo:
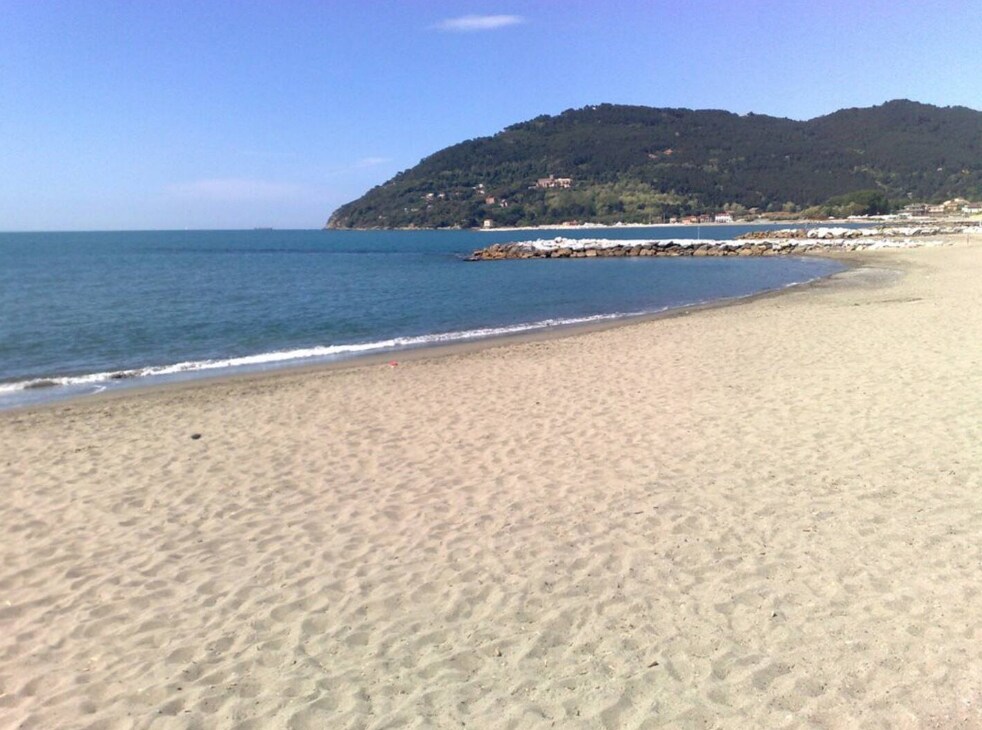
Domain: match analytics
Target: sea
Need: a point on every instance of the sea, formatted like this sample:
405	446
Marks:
86	312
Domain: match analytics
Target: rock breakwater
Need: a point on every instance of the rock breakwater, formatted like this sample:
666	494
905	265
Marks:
771	243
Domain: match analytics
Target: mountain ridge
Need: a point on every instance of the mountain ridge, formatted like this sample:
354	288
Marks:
637	164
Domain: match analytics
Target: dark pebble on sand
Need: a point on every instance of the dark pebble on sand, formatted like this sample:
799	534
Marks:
195	436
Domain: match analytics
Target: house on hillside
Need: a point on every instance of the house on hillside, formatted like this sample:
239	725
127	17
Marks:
554	182
949	206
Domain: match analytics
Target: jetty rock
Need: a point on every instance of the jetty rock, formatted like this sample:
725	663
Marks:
783	242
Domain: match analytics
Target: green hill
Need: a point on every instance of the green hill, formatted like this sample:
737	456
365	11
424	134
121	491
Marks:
638	164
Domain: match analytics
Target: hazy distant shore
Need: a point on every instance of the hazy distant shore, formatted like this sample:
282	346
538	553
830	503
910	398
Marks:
783	222
736	516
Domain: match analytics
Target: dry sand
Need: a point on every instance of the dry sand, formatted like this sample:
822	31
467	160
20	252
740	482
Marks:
767	515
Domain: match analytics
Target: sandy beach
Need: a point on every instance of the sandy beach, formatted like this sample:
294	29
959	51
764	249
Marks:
762	515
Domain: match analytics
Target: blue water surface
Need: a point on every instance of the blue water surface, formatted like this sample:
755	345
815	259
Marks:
79	304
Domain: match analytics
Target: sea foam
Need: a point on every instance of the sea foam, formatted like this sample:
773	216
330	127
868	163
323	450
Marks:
319	353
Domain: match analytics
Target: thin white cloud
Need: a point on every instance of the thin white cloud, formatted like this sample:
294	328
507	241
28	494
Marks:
235	190
472	23
268	154
365	163
370	162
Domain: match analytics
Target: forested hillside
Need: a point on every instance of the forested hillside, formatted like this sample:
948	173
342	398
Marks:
637	164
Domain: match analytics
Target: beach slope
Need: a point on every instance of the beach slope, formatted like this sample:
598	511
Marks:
762	515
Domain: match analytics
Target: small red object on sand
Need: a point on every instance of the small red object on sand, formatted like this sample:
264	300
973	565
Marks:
392	363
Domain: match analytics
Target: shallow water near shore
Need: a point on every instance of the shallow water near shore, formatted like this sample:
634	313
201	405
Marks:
85	312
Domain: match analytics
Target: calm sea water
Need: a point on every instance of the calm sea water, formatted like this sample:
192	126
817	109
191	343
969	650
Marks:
82	312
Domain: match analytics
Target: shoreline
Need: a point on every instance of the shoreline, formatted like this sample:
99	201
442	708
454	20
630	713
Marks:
132	387
847	253
796	222
744	516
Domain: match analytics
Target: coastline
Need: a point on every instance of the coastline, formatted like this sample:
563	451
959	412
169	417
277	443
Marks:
784	223
57	389
139	385
746	515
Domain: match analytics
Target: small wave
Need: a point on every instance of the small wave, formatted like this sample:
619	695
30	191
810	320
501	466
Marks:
325	352
334	352
40	384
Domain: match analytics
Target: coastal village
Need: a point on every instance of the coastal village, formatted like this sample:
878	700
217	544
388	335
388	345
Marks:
958	208
955	209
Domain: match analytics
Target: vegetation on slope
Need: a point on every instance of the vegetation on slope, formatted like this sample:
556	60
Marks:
640	165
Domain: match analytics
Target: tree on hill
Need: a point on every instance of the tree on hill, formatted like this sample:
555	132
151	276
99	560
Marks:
640	165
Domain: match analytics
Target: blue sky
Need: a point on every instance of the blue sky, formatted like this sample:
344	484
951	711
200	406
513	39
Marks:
173	114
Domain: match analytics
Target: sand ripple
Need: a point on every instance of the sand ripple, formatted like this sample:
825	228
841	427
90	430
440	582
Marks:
766	516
